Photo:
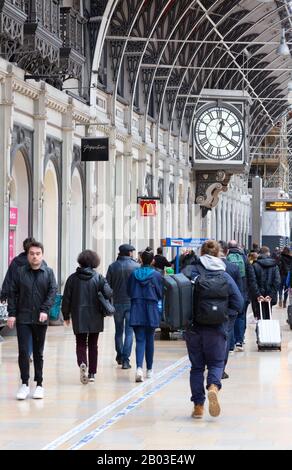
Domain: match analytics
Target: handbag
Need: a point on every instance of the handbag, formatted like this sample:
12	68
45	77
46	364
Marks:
3	313
107	308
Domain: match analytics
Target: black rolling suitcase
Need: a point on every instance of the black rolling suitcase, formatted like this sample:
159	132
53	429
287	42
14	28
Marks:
289	313
177	301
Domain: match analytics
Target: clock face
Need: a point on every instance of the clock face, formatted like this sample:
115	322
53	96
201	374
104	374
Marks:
219	133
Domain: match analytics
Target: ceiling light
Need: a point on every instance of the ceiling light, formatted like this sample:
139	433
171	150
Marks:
283	48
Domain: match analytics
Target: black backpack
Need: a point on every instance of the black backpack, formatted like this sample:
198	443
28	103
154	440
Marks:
211	297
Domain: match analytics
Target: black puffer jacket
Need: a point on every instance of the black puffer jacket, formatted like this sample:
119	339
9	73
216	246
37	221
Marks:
31	293
80	300
265	278
17	262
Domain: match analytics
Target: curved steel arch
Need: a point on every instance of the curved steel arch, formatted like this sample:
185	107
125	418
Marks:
260	100
168	25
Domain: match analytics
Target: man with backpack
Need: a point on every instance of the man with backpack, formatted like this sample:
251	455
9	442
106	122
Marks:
237	256
214	293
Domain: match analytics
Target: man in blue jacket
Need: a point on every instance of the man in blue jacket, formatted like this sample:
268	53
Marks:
117	276
206	338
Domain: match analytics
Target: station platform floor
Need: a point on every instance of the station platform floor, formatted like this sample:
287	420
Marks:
117	413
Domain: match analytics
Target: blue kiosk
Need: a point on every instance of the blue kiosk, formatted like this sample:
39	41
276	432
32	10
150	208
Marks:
182	243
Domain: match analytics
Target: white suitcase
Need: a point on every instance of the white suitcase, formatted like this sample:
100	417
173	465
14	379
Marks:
268	332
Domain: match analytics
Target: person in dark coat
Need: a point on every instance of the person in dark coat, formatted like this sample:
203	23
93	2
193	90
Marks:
264	282
16	263
206	344
145	290
80	303
160	262
240	322
31	295
117	276
234	272
285	265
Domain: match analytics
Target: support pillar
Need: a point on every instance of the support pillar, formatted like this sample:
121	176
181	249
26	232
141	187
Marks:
256	205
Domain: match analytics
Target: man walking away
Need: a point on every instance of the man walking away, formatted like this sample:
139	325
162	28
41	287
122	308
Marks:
233	271
160	262
264	282
237	256
214	293
117	276
31	296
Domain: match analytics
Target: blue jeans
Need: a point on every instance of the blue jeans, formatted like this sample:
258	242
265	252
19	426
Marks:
144	345
206	347
240	325
230	336
122	318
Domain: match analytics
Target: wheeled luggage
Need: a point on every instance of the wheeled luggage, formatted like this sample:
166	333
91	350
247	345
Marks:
177	301
268	331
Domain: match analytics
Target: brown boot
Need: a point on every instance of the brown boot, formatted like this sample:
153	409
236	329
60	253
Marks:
284	303
280	303
214	407
198	412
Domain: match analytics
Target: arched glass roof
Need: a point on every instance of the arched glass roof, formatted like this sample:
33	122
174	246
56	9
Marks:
174	49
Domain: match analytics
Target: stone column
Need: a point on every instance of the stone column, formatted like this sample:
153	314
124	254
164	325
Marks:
256	208
39	148
142	223
6	128
104	228
67	158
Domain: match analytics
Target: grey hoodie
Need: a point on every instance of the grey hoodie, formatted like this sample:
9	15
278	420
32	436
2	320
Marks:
212	263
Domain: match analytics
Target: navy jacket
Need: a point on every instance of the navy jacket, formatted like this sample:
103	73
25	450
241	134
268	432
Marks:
117	276
234	272
236	301
145	290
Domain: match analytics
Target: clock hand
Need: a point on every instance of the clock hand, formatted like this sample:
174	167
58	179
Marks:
226	138
221	125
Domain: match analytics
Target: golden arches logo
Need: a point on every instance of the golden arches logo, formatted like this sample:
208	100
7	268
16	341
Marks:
148	208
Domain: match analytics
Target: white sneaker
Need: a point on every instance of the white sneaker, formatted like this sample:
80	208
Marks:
149	373
139	375
83	374
39	393
23	392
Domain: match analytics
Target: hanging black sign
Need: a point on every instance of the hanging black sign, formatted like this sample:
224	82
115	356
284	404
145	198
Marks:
94	149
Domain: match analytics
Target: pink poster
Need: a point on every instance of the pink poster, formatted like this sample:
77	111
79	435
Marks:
13	216
12	234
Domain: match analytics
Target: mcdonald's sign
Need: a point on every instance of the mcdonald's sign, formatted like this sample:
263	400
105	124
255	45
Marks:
148	207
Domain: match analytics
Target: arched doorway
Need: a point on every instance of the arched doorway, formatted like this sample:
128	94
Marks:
51	218
76	219
19	223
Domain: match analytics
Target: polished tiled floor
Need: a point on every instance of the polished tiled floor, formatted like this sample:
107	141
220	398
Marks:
117	413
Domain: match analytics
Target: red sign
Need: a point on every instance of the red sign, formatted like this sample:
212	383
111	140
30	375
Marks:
13	216
12	234
148	207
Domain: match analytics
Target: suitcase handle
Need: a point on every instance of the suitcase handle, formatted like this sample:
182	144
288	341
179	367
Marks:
261	310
